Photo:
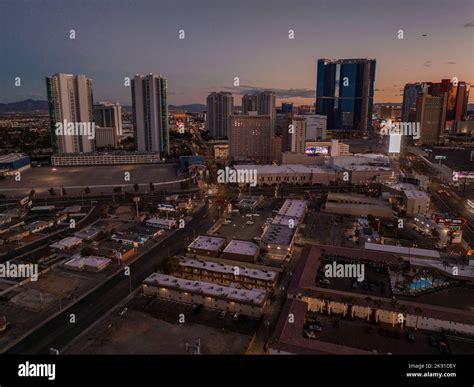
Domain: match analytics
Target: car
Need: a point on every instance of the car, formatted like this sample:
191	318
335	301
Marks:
354	284
249	222
371	287
410	336
324	281
228	221
255	214
248	215
236	317
269	220
315	327
222	315
257	239
123	311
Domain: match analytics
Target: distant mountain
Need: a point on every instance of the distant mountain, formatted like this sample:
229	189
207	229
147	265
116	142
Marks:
194	107
28	105
31	105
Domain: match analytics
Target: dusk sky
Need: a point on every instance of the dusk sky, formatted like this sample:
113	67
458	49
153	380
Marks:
231	38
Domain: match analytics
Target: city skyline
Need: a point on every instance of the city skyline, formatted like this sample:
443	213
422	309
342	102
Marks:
216	49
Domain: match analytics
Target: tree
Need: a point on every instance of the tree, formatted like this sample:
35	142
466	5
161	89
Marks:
87	190
117	189
51	191
63	191
136	187
86	251
152	186
32	194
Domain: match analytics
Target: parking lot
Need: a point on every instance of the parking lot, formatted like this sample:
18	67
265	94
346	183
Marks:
152	326
382	338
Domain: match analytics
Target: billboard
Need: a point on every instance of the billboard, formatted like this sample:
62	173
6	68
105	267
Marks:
395	143
316	150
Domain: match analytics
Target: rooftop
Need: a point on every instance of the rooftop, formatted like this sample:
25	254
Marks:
236	246
268	275
254	297
207	242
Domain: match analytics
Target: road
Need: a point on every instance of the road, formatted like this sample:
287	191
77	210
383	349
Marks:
59	331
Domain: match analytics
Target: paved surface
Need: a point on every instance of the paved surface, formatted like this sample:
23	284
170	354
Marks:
58	331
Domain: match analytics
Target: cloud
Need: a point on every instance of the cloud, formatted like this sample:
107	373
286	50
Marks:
470	24
379	90
427	63
280	93
451	63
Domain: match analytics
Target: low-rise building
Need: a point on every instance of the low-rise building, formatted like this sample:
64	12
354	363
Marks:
206	246
357	205
166	224
210	295
243	251
90	263
67	243
225	274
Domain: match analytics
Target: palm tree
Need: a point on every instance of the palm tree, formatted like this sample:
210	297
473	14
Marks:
136	187
63	191
32	194
152	186
51	191
87	190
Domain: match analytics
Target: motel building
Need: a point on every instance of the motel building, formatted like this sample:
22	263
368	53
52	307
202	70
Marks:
213	296
417	317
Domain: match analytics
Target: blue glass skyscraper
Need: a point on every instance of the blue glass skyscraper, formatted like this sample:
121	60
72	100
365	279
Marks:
345	93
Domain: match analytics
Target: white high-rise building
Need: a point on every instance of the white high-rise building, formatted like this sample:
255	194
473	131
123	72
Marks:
150	113
70	102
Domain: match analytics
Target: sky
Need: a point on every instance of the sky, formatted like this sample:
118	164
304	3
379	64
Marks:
224	39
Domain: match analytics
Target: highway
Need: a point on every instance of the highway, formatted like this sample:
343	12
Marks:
59	331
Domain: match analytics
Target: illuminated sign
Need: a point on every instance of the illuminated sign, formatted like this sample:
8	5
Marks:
454	223
316	150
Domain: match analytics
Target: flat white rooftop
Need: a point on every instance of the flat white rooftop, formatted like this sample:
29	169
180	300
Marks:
236	246
207	242
66	242
218	267
91	261
254	296
282	169
293	208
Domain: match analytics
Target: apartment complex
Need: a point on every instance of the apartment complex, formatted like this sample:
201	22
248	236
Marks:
250	138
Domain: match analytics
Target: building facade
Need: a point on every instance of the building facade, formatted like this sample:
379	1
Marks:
250	138
219	109
150	113
70	100
345	93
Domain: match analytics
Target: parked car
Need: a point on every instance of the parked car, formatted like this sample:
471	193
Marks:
221	315
236	317
228	221
315	327
249	222
411	336
309	334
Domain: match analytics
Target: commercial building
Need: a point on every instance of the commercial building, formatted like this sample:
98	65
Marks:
104	159
345	92
220	106
166	224
339	301
150	113
108	121
242	251
278	237
262	103
229	275
67	243
89	263
206	246
413	199
250	138
14	162
70	102
410	96
210	295
293	174
431	114
357	205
